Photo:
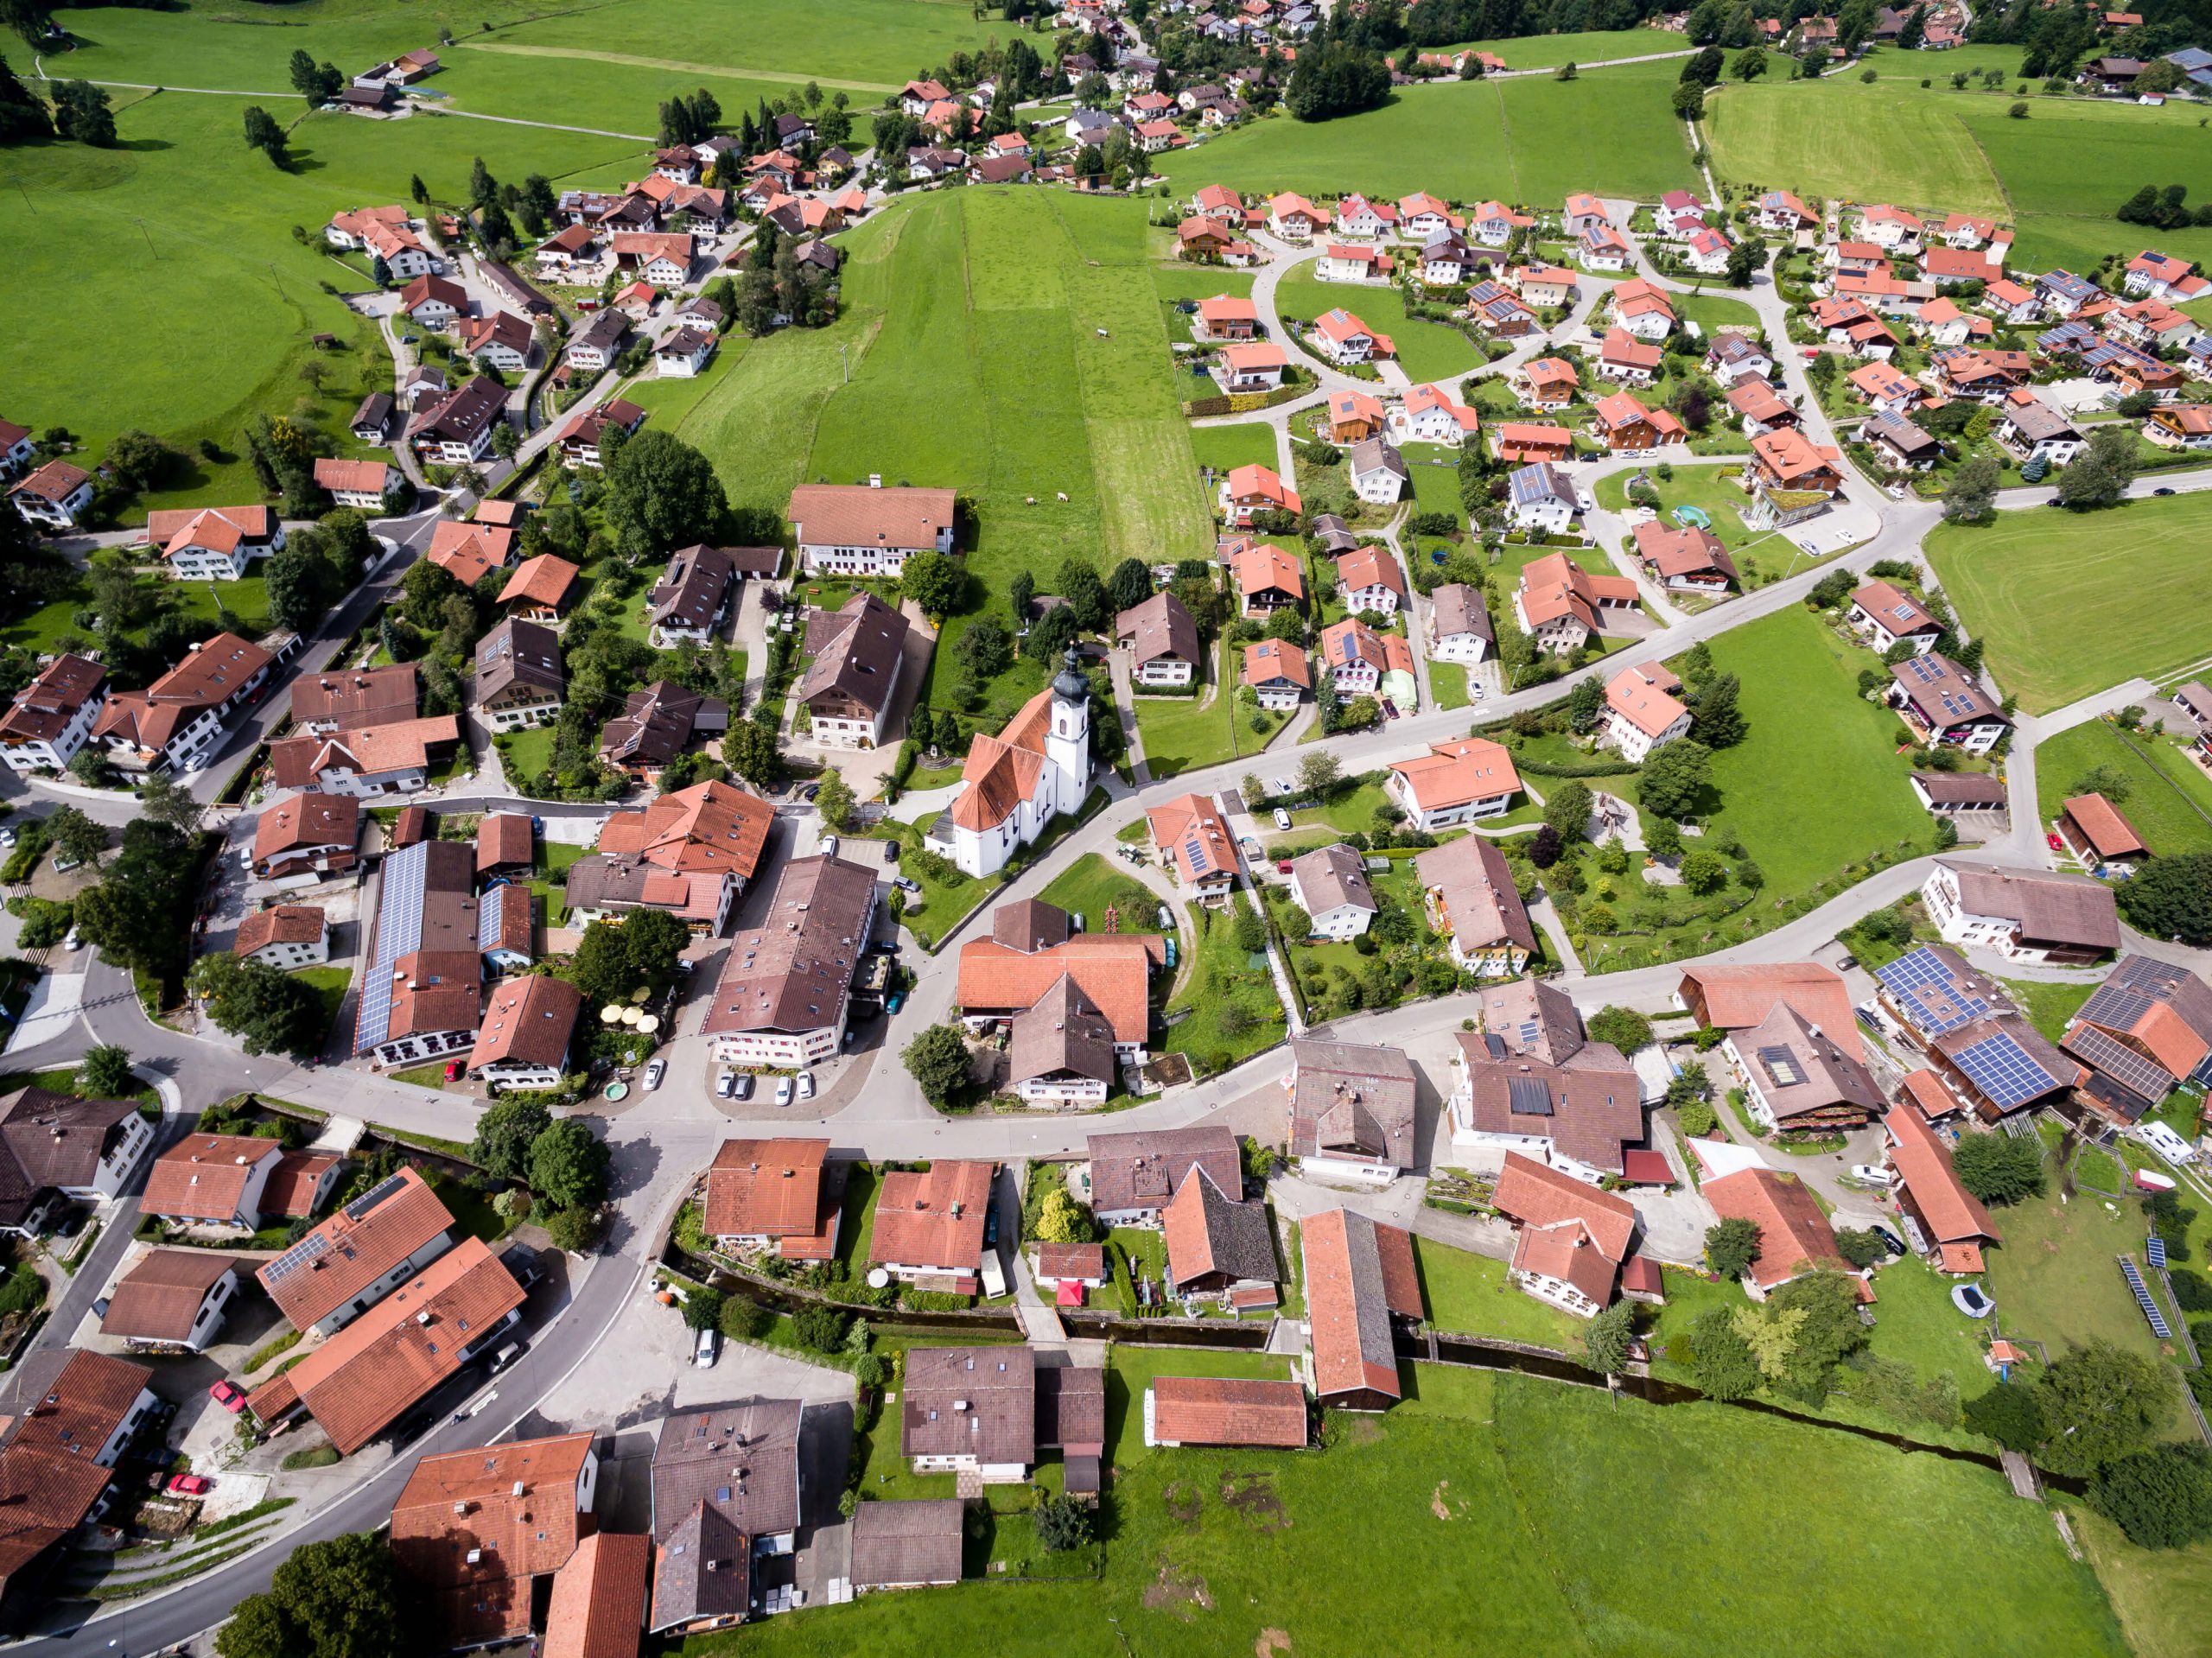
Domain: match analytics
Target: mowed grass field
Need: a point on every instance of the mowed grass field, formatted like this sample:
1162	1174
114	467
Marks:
1588	46
1868	143
2070	603
2169	799
1427	351
1572	1502
191	305
1817	782
1526	141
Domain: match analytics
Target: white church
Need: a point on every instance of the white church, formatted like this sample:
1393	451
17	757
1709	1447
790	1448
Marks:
1016	782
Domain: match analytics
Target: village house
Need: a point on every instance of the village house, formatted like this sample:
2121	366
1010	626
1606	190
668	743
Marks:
1460	627
1760	406
1456	782
52	717
2023	915
2098	832
1941	702
1363	662
306	835
171	1300
1192	841
1293	218
1162	641
581	440
1570	1104
368	761
1541	500
541	589
57	1148
422	992
1544	285
519	681
1798	1077
1361	1284
1624	422
1226	316
456	429
781	1001
366	485
691	600
725	1491
1353	415
214	543
1684	558
2033	430
1626	360
1545	384
1370	580
1643	310
285	937
1899	444
1795	1237
1330	884
1886	617
1642	712
2171	425
56	495
1351	262
176	723
868	530
1351	1109
1379	475
1429	414
1253	489
849	687
1792	479
1345	341
1471	901
1564	608
211	1180
1278	674
1571	1238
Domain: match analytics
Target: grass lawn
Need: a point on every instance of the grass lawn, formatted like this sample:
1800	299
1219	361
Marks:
1353	810
1469	1294
1132	1368
1004	343
2048	1005
1698	487
943	901
1435	472
241	606
430	1076
1093	885
1526	141
1185	734
1866	144
1146	1249
2163	1597
1234	1011
1712	312
526	754
2169	800
856	1219
1549	51
552	887
2061	596
1227	447
1447	683
1210	1551
1427	351
330	984
2055	1278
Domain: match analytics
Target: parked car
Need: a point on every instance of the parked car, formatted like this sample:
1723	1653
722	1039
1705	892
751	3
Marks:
744	1086
454	1069
506	1357
707	1350
1282	818
806	1085
907	883
891	851
1895	1244
1281	785
725	1085
2162	493
74	941
828	847
782	1091
229	1395
1166	918
1282	866
1872	1173
190	1485
7	837
655	1073
100	1308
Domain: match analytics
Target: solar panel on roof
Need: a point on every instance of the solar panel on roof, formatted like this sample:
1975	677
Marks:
2115	1004
1782	1066
2003	1071
1934	1001
375	1195
1530	1029
301	1254
2144	1077
1527	1096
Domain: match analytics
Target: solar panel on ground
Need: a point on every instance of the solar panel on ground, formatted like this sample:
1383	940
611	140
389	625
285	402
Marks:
2157	1319
2156	1248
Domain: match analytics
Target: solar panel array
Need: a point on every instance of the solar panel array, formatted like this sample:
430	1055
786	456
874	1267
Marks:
2115	1006
2156	1248
300	1257
2157	1319
1527	1096
2143	1077
399	932
1782	1066
1933	998
2003	1071
374	1196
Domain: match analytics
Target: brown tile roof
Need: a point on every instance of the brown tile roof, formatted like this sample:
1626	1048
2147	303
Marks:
528	1021
1209	1233
1536	1194
857	653
469	551
159	1298
597	1609
1589	1108
518	653
50	1140
503	838
1738	998
1029	924
1063	1034
1472	886
281	924
1456	608
978	1401
203	1176
1141	1169
1270	660
211	674
1113	971
1359	1273
63	1401
293	1184
43	709
1950	1212
354	1248
1566	1250
1350	1096
901	1543
697	581
1803	1071
351	699
934	1218
362	1378
306	821
1159	627
470	1528
697	1459
702	1569
405	746
792	972
1794	1235
1228	1411
709	828
767	1188
1057	1261
855	515
1071	1409
1331	877
2046	906
2104	826
363	477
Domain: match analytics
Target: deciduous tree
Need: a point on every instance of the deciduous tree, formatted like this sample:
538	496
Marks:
938	1061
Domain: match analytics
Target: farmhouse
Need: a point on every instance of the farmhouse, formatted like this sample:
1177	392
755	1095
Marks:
175	723
781	1001
285	937
519	681
1162	639
1794	1234
2023	915
1572	1237
1468	894
1360	1281
849	685
1576	1111
868	530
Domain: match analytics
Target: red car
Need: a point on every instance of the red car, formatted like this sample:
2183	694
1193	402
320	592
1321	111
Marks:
229	1395
190	1485
1282	866
2055	843
454	1068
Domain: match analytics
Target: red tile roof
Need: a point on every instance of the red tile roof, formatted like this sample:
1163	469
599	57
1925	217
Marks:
1228	1411
354	1248
294	1183
772	1189
599	1598
281	924
1739	997
1951	1213
1794	1234
205	1176
1537	1194
1358	1274
934	1218
470	1528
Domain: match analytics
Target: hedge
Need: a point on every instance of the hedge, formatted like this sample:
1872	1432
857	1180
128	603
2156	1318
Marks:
1589	768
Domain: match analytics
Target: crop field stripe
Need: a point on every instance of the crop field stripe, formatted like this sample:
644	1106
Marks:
678	65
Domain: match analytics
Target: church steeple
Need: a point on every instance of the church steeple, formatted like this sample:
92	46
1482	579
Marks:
1070	686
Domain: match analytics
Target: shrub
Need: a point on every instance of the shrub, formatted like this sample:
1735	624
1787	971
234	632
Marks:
820	1327
2162	1498
1065	1522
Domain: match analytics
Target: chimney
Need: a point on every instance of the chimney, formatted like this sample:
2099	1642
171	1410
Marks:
424	1316
874	481
518	1489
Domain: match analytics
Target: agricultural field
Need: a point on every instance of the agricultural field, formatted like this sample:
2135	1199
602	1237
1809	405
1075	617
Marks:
2168	799
193	307
1527	141
1585	48
2059	597
1214	1552
1006	343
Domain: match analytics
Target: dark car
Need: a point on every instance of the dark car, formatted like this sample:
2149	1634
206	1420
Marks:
71	1222
1895	1244
991	1227
891	851
2162	492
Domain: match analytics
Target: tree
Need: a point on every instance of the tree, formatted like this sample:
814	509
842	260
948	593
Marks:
2011	1412
834	800
1675	776
750	751
1606	1338
1084	593
2100	1403
1997	1168
1704	69
2162	1498
661	493
1689	101
74	835
317	83
163	800
105	1073
505	1135
483	188
703	1308
1130	584
81	113
1318	774
610	963
1971	496
1065	1522
1566	814
1063	1220
262	133
1338	79
2171	897
1623	1027
1915	30
338	1598
1720	1358
938	1061
1715	720
1861	1250
1732	1246
567	1165
1585	704
935	581
1703	872
270	1010
822	1327
1544	846
1750	64
2100	475
22	116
